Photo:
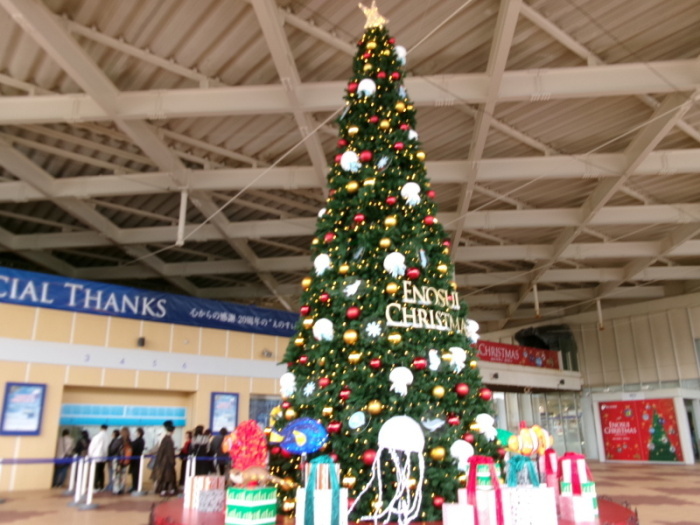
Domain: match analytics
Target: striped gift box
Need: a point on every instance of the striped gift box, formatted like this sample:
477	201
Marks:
256	506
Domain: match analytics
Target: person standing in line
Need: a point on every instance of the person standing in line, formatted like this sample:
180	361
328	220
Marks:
185	451
81	447
64	450
221	459
137	448
163	473
200	449
112	451
97	451
121	465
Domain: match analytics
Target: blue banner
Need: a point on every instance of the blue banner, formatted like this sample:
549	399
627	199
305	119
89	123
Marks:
60	293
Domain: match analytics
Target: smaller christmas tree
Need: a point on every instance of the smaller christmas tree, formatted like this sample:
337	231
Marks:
660	448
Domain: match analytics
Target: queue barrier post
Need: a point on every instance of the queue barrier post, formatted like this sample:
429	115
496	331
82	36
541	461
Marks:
1	500
142	465
71	476
79	482
89	505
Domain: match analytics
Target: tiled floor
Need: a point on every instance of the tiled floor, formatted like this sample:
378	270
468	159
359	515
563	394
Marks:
662	494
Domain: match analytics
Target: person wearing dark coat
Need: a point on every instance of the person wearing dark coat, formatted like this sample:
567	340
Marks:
137	447
163	473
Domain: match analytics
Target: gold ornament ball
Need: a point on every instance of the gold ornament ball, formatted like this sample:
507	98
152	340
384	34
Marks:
462	478
367	67
390	221
420	155
384	124
305	283
374	407
354	358
377	505
314	242
299	341
400	106
352	186
394	338
349	482
344	268
371	45
385	242
353	130
327	411
288	506
386	52
290	414
308	322
442	268
446	250
350	337
288	484
438	391
369	182
409	107
392	288
473	364
438	453
412	483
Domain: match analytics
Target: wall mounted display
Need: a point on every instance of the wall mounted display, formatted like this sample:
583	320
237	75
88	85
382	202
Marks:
517	355
22	409
640	430
224	411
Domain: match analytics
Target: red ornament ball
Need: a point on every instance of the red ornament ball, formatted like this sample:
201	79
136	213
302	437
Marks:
469	438
333	427
331	192
286	454
462	389
392	40
304	310
413	273
391	200
303	359
447	243
324	297
420	363
337	158
399	146
334	457
323	382
285	404
431	194
366	54
453	420
438	501
485	394
329	237
368	456
375	363
429	220
275	450
365	156
353	312
404	127
345	394
395	75
352	87
502	452
381	74
342	143
359	217
373	119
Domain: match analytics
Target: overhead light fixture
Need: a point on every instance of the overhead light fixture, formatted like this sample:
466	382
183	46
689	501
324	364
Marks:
561	381
494	375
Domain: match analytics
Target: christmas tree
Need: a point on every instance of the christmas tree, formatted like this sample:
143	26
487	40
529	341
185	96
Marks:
660	448
382	331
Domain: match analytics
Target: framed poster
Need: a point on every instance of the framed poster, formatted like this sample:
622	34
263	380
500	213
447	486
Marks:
224	412
22	409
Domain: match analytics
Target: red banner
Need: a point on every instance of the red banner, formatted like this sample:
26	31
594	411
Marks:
642	430
517	355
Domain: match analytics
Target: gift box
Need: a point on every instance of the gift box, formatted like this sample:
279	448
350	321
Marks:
251	506
322	501
529	505
197	484
457	514
581	509
209	500
521	471
483	491
574	470
549	469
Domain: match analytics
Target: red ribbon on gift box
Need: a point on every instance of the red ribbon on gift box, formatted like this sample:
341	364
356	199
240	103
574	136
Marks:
471	486
550	462
575	478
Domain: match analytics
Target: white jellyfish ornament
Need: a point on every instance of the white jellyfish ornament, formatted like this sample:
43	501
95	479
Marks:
402	438
472	330
400	53
459	358
484	423
400	378
323	330
462	450
288	384
395	263
322	262
411	193
350	161
366	87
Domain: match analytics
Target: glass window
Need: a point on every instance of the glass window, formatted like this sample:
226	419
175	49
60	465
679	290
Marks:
260	408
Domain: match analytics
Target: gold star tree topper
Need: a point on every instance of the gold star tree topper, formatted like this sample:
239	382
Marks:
374	19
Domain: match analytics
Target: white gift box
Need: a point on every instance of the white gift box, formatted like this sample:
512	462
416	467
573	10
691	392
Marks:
322	499
457	514
485	512
581	510
196	484
209	500
528	505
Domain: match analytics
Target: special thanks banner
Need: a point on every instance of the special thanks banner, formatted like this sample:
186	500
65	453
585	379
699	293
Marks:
60	293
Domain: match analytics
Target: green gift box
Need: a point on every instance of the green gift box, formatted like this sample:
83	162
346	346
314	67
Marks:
256	506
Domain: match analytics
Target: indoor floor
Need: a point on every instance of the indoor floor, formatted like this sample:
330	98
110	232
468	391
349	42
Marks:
662	495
